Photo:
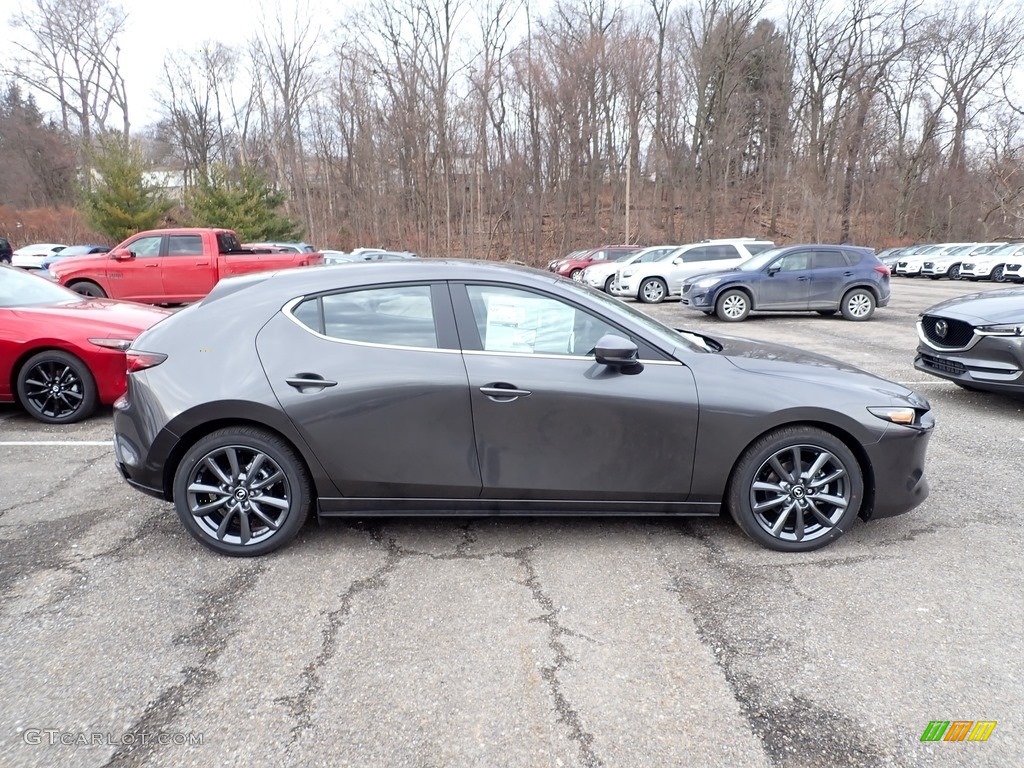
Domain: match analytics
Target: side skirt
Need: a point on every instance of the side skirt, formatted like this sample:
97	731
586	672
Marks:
352	507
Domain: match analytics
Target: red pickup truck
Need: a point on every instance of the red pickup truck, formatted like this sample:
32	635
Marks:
170	266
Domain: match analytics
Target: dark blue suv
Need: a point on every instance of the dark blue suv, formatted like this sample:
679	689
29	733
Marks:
816	278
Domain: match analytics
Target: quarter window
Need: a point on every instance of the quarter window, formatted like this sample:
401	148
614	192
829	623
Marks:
396	315
513	320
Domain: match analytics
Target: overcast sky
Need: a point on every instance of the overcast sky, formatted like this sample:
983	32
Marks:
156	27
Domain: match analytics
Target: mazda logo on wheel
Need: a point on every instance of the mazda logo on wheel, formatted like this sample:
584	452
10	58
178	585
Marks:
941	329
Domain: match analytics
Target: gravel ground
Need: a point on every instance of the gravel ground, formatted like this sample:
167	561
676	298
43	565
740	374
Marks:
524	642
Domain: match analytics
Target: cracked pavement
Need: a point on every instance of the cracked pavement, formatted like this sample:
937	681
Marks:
523	642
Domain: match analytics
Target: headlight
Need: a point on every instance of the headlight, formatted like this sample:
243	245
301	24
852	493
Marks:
706	282
121	344
905	416
629	273
1002	329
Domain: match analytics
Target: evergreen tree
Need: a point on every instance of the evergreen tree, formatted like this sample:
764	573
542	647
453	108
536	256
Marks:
121	201
246	204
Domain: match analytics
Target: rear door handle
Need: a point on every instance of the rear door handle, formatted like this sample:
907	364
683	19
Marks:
847	274
504	393
202	263
309	381
803	279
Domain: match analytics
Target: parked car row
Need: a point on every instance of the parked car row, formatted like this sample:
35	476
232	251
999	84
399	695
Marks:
997	261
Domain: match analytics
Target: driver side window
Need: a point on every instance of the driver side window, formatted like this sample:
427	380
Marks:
146	246
793	262
513	320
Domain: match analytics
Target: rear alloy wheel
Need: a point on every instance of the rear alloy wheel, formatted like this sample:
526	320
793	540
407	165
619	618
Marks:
576	274
796	489
57	388
87	288
733	306
242	491
858	304
652	290
998	274
954	272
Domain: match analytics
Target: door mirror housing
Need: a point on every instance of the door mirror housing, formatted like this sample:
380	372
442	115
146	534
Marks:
121	254
677	260
619	353
774	270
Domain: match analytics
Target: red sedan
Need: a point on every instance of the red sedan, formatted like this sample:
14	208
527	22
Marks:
62	354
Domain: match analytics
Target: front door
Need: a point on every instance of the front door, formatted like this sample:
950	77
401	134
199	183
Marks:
374	381
552	423
787	282
138	278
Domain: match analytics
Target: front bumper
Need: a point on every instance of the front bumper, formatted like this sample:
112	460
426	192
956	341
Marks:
697	298
594	280
993	364
628	286
897	462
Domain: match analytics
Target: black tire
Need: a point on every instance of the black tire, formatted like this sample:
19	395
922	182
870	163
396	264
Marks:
858	305
708	312
935	277
226	533
838	500
733	306
826	312
57	388
608	284
88	288
954	272
576	274
998	274
653	290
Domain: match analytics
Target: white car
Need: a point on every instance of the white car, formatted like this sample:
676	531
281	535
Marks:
910	264
947	263
993	264
32	256
654	282
601	274
1014	271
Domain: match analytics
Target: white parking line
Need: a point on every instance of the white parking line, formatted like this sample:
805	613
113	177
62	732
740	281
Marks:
109	443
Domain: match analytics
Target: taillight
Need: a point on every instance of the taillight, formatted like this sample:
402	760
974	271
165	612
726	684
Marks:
140	361
883	270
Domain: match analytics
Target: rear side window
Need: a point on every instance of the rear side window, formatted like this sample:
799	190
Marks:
185	245
830	260
228	243
696	254
722	252
756	248
395	316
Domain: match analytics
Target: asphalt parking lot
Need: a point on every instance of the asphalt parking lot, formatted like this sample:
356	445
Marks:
525	642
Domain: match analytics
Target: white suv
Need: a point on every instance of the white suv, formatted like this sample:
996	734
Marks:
601	274
993	264
654	282
910	264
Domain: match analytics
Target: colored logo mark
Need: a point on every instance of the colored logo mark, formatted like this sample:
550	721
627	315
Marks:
958	730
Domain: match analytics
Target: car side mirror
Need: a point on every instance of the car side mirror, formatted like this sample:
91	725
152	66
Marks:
122	254
773	271
677	260
619	353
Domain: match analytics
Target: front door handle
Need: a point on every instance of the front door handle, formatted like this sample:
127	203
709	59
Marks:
152	264
304	381
504	393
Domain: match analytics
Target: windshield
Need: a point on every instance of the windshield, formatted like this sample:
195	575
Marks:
1004	250
669	337
754	263
24	289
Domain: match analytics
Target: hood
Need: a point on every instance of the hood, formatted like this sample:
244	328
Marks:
790	362
111	316
1003	305
717	275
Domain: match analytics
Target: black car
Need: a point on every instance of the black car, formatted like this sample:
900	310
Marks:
821	278
976	341
6	252
441	387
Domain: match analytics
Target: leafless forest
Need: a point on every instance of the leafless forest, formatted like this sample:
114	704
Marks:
488	128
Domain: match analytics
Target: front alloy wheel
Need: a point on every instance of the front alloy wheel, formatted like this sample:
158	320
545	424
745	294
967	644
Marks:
733	306
242	491
652	291
796	489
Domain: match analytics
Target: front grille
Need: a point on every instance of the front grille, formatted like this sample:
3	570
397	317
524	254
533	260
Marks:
901	263
946	366
686	287
957	332
968	267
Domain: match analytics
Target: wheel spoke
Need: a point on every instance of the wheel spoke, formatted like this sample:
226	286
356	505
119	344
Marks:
779	469
255	464
213	467
272	501
35	383
815	468
213	490
232	455
781	522
760	485
797	464
244	532
827	479
835	501
271	523
222	529
267	481
799	523
770	503
202	510
819	515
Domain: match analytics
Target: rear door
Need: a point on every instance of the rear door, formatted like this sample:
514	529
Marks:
189	271
138	278
786	283
374	381
829	275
